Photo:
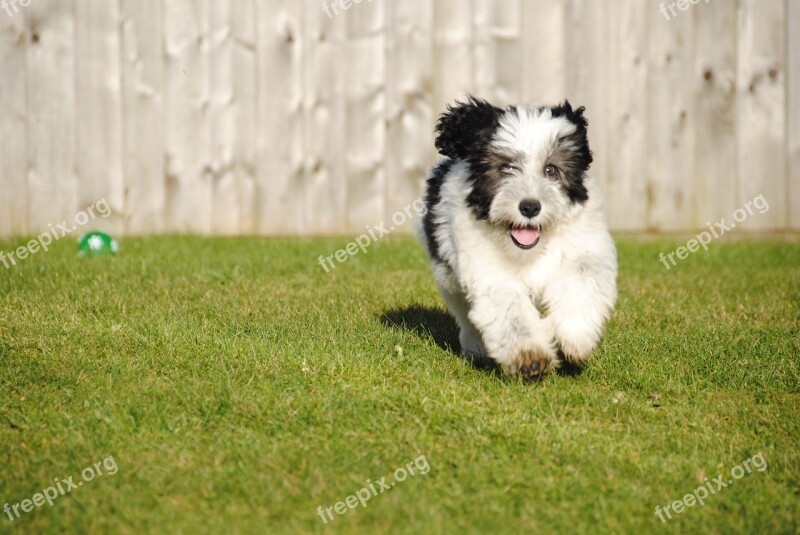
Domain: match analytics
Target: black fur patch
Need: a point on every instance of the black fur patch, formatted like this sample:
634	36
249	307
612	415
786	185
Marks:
572	155
465	132
464	127
433	194
486	168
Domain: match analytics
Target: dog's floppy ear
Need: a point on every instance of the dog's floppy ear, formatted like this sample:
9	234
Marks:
464	126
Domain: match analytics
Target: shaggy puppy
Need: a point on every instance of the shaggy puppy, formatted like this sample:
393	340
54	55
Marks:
517	237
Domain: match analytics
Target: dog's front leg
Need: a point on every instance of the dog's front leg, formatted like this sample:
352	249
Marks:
514	333
578	309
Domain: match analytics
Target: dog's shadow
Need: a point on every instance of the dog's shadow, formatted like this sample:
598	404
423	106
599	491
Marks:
438	325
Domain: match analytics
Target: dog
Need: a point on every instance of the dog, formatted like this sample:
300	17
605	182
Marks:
516	234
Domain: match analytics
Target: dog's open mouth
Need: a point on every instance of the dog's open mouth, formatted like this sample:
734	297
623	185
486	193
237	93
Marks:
525	237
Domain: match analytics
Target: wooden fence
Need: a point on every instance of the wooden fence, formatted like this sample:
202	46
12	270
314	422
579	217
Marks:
314	117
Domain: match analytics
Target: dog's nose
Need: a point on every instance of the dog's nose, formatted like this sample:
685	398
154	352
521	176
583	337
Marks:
529	207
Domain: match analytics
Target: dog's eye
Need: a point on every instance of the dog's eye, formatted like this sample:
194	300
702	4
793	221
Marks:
509	169
550	170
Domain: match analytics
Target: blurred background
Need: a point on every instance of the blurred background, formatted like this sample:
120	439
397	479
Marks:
316	117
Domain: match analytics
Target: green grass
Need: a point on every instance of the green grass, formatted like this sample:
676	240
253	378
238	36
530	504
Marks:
238	387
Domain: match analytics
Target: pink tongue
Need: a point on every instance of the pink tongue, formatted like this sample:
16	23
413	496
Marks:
525	236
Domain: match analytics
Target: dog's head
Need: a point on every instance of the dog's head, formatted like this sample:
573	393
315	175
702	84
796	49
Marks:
527	165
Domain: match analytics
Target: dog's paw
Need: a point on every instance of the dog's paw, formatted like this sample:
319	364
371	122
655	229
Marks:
577	341
532	365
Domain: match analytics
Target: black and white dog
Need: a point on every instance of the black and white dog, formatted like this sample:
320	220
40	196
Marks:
517	236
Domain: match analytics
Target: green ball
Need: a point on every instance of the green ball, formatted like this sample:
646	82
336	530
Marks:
97	244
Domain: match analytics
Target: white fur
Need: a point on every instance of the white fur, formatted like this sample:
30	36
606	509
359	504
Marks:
508	301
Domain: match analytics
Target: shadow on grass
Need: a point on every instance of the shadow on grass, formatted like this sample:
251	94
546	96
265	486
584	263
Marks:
442	329
434	324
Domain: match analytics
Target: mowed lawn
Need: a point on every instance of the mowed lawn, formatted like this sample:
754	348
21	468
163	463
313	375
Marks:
239	387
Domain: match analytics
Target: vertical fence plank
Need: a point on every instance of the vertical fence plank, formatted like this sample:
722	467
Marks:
507	49
13	127
588	75
626	178
245	83
543	51
99	105
223	100
410	117
761	109
670	120
714	83
452	53
498	50
188	149
483	74
793	117
143	115
279	53
365	96
232	111
325	148
52	178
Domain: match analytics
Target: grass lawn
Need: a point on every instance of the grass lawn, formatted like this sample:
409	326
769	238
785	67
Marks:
238	387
